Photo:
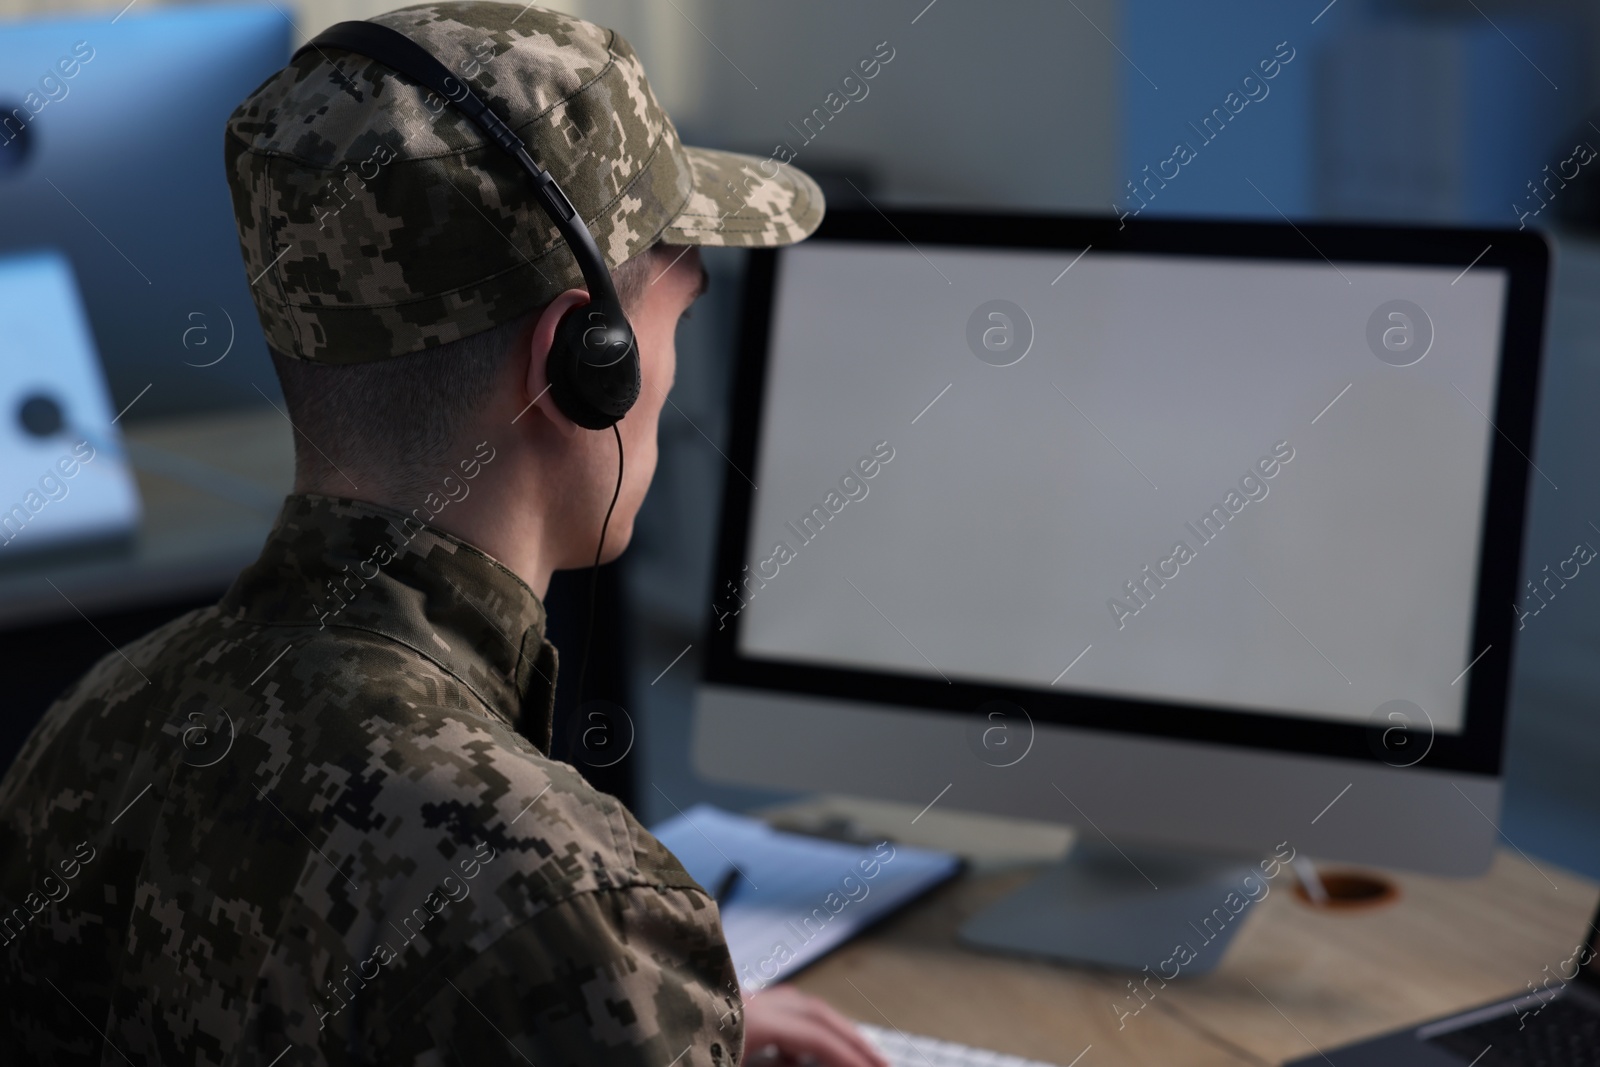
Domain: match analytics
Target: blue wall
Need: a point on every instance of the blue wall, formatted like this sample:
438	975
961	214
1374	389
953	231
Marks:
1184	61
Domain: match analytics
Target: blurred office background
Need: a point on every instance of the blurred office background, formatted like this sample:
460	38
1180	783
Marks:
1411	110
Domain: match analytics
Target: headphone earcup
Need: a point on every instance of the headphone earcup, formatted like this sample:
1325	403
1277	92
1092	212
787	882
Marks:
593	366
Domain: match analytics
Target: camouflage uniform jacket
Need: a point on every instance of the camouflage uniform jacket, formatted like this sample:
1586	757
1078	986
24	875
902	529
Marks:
302	827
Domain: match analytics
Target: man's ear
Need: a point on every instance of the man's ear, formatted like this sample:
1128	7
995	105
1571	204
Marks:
537	351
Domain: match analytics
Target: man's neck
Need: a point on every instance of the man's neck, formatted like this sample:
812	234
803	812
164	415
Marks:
489	521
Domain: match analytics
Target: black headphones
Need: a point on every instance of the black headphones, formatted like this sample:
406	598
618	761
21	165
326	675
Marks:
593	367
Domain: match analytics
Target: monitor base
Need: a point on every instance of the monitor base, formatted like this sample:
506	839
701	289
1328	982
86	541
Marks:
1169	912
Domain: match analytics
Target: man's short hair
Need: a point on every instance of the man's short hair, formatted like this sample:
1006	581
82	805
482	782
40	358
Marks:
405	414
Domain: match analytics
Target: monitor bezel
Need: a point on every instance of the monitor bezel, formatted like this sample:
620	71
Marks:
1523	255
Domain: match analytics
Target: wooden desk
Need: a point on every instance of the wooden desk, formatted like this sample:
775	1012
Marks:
1294	982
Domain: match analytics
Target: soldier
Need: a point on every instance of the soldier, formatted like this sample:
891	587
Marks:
303	826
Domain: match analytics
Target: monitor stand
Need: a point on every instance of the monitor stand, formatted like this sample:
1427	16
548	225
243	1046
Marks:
1126	909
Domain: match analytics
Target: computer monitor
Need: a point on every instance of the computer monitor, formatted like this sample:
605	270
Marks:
1202	537
111	150
64	441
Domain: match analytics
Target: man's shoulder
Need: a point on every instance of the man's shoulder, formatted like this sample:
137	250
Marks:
401	764
199	674
418	761
417	772
451	827
448	776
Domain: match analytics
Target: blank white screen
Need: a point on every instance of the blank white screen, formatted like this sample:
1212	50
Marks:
987	549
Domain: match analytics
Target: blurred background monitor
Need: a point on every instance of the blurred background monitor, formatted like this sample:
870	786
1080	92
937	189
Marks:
58	438
111	138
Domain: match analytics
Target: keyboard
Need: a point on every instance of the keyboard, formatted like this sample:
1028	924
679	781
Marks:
1563	1034
914	1050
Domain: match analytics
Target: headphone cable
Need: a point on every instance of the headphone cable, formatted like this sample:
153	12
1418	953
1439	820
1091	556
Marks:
594	572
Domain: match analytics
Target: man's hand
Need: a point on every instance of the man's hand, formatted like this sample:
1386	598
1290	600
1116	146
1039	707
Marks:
785	1026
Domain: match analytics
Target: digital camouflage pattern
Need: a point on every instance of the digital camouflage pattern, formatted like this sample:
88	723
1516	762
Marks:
376	220
302	827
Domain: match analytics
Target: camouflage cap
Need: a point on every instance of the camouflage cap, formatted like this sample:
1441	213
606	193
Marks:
376	220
